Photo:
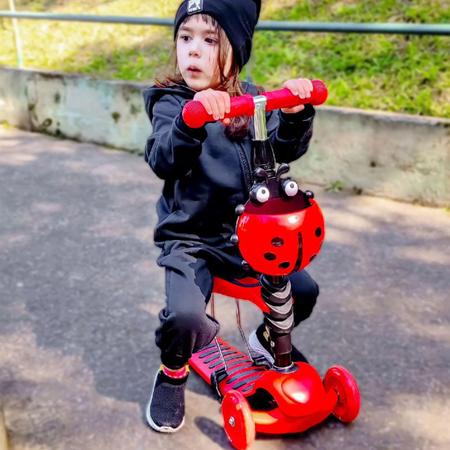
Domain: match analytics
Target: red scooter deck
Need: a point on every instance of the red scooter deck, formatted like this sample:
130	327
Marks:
241	371
299	399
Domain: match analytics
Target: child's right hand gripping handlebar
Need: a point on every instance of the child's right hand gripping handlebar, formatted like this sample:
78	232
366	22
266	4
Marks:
195	115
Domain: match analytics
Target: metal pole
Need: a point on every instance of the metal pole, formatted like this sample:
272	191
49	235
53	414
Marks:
17	39
438	29
3	433
442	29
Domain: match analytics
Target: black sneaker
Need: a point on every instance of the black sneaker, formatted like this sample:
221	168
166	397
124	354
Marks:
259	342
165	409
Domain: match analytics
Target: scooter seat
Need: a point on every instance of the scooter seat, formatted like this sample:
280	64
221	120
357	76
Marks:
247	288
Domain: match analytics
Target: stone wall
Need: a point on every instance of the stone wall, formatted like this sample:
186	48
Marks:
398	156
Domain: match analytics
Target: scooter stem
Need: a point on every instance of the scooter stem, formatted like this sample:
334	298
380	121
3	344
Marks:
259	118
263	155
277	294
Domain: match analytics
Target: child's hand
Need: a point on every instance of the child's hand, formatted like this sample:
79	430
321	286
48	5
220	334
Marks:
301	87
216	103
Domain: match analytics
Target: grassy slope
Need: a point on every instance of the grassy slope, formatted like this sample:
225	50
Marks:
395	73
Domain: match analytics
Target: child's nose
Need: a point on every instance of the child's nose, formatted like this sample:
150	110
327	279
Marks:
195	48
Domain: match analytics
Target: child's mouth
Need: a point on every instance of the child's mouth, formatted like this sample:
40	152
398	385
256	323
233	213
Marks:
193	69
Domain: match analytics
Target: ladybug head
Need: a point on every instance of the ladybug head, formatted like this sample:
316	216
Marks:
261	193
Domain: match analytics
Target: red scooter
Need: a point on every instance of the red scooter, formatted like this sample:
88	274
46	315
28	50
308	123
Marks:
278	231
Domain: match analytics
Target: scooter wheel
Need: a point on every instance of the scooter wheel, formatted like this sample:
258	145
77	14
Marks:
238	420
346	388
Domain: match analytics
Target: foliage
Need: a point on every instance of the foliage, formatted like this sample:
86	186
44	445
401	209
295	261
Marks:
388	72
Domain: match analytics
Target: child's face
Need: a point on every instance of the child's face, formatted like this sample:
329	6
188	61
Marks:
198	53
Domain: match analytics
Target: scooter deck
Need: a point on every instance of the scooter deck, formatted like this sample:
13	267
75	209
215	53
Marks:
279	403
241	370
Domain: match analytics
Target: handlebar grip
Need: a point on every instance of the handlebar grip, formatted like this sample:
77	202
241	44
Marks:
195	116
283	98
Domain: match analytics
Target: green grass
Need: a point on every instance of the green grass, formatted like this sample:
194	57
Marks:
386	72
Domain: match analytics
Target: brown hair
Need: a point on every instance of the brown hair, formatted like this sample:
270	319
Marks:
230	83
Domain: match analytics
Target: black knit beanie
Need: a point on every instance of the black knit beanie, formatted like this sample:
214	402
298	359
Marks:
238	19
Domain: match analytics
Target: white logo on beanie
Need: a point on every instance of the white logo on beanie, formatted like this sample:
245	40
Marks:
194	6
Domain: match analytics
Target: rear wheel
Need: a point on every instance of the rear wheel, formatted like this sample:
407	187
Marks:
238	420
344	384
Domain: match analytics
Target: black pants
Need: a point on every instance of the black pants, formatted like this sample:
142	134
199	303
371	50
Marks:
185	327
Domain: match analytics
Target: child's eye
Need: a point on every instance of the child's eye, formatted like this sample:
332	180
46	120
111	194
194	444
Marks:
184	37
211	41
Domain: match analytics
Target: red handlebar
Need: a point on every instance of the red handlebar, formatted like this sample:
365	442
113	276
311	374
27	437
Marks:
195	115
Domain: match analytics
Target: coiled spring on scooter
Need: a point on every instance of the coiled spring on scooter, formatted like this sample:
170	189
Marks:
278	297
279	321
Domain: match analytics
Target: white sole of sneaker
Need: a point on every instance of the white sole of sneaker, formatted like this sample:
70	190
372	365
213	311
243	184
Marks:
257	347
148	417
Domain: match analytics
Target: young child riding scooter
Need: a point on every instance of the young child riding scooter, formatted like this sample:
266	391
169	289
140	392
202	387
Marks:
207	172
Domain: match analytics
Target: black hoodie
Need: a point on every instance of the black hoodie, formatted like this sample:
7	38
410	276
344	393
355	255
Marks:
205	173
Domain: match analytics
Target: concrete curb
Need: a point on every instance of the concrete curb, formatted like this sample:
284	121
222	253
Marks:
398	156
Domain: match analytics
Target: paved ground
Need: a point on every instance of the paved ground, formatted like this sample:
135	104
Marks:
80	293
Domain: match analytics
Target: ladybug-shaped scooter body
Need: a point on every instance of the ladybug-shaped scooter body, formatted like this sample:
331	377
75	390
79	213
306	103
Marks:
279	231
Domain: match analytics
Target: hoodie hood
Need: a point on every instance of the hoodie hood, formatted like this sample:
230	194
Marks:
154	93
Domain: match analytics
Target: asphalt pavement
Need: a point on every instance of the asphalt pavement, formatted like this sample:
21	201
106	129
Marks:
80	294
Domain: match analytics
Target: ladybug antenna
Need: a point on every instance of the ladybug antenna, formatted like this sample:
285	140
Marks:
282	169
261	174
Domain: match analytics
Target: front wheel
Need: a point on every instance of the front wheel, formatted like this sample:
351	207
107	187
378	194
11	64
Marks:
344	384
238	420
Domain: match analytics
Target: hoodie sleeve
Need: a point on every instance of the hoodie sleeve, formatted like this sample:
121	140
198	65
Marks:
173	148
290	134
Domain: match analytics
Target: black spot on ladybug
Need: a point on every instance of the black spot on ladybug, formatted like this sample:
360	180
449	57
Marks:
284	265
270	256
312	257
318	231
277	242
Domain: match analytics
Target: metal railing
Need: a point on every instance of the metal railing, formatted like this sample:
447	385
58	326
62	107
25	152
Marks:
314	27
325	27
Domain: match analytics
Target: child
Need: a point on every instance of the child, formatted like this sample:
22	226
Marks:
206	173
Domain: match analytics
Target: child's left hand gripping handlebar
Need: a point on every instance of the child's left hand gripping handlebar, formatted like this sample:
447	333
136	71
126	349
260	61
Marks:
195	115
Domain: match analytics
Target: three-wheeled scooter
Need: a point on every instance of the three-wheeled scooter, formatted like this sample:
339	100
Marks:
278	231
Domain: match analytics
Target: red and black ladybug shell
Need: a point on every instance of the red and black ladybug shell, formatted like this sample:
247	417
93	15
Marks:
282	235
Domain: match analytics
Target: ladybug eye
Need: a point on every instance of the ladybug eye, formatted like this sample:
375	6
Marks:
260	193
290	187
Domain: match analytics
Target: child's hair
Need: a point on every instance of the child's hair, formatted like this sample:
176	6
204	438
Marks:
239	125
